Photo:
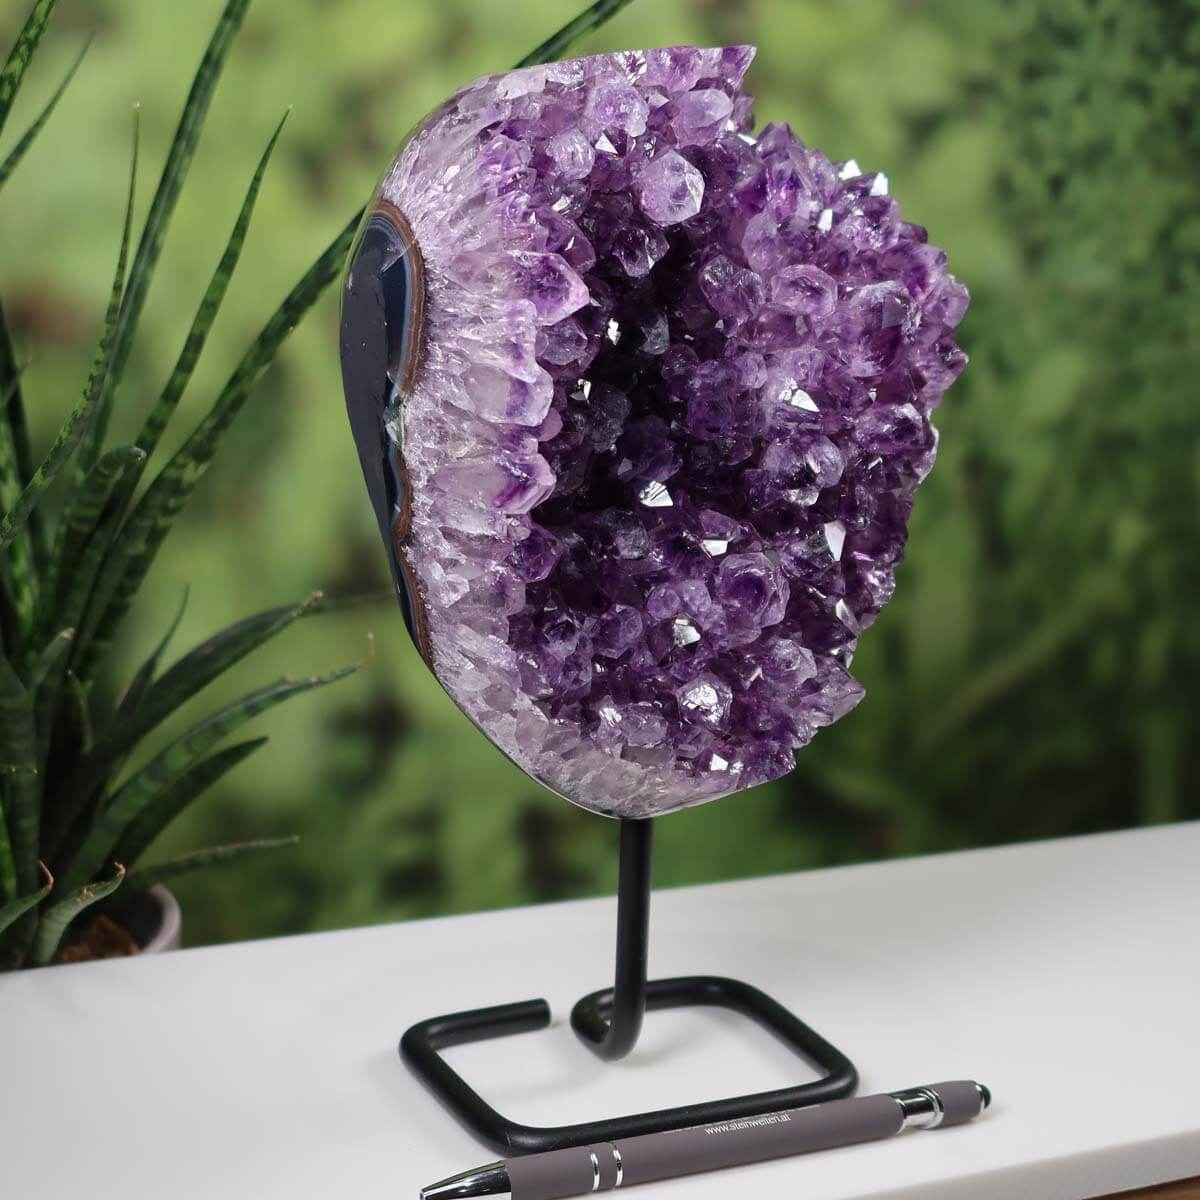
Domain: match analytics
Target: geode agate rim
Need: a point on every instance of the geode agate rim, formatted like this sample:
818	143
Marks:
391	493
663	427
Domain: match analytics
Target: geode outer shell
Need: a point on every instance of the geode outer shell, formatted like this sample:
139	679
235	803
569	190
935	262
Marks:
642	402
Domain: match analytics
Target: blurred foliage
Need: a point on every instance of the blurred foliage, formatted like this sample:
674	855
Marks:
1033	675
74	823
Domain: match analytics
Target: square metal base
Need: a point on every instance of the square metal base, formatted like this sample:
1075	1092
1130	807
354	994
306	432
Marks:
421	1045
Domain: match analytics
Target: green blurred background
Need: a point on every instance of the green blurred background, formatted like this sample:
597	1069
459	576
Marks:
1034	675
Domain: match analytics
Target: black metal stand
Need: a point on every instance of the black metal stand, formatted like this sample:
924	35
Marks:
609	1022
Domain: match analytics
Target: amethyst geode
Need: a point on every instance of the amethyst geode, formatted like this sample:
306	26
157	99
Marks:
642	400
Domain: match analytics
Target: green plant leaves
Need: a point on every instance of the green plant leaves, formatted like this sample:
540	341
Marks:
131	699
170	184
148	702
19	56
165	770
81	531
87	532
61	606
14	909
18	587
8	869
161	872
49	659
140	537
83	412
29	556
587	21
19	150
79	714
151	520
156	422
19	774
170	802
195	671
55	920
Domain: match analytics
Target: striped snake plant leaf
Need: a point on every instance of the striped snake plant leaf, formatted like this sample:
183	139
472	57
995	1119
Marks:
214	295
10	631
18	57
20	562
19	151
79	713
18	907
80	527
54	921
168	804
164	770
45	681
159	417
8	868
160	872
49	658
87	546
151	521
83	412
83	787
18	765
559	43
15	466
74	728
131	698
19	592
89	552
162	207
16	459
163	410
199	667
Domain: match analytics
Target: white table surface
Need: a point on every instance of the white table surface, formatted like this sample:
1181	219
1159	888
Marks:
1065	975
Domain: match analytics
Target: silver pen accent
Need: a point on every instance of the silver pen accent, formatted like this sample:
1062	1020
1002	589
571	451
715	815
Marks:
580	1170
488	1180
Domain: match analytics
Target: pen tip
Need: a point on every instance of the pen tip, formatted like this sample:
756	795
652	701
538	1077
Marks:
985	1095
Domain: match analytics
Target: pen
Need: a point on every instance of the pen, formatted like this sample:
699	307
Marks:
580	1170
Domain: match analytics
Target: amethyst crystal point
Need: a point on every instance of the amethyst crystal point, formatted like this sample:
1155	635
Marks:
642	401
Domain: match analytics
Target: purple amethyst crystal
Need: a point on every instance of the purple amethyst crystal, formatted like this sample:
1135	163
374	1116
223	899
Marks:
642	400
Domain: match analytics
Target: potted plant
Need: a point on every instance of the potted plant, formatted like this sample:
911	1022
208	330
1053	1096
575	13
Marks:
75	820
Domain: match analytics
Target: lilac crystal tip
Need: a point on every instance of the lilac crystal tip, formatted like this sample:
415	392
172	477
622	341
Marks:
642	400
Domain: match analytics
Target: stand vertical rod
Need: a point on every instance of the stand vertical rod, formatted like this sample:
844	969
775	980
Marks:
625	1006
